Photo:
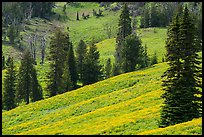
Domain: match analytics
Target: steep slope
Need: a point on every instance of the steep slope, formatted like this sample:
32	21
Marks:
125	104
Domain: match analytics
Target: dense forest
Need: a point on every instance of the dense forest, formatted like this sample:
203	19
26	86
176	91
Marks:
57	48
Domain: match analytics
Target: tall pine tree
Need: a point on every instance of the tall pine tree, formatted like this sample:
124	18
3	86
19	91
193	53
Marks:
28	87
182	79
124	30
92	68
9	86
108	68
81	50
72	66
59	46
131	53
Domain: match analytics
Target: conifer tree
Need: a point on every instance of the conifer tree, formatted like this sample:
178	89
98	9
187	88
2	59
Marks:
124	30
57	56
145	59
67	83
183	77
154	59
108	68
81	50
115	70
27	85
72	66
131	52
77	16
3	61
9	86
36	90
92	67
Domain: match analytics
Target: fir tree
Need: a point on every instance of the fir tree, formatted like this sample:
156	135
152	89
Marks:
108	68
183	78
57	56
3	61
9	87
92	67
154	59
67	83
80	55
124	30
36	90
27	85
72	66
131	53
115	70
77	16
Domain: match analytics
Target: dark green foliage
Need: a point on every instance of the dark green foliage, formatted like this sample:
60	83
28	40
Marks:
154	59
108	68
92	68
80	55
42	9
59	46
131	53
72	66
67	83
183	77
145	60
36	90
124	30
3	61
27	85
13	33
9	86
77	16
144	21
115	70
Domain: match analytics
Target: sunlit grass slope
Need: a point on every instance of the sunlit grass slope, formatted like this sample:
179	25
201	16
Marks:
125	104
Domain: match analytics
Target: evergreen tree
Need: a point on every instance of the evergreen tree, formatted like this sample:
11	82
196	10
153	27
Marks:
145	18
115	70
108	68
3	61
27	85
36	90
183	77
80	55
58	47
92	67
72	66
154	59
67	83
124	30
131	53
77	16
9	87
144	57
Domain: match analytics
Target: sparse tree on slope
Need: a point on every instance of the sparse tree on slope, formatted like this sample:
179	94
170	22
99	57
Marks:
9	86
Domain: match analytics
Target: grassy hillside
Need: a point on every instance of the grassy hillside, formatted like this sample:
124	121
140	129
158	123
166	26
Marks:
125	104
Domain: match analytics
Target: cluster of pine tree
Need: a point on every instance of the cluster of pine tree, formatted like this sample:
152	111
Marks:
22	85
66	69
182	81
